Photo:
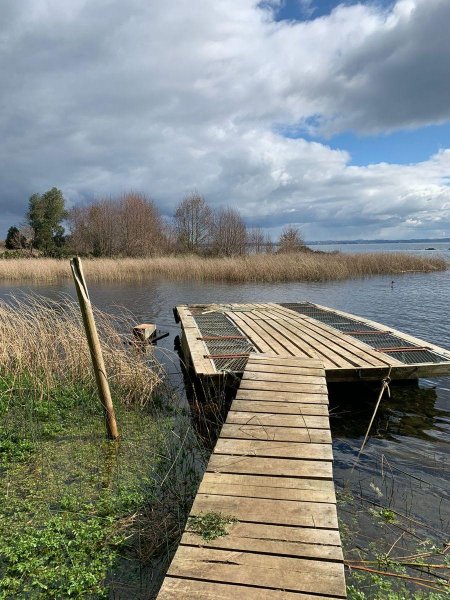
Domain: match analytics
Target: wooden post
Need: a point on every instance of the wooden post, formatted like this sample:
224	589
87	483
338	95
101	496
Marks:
94	348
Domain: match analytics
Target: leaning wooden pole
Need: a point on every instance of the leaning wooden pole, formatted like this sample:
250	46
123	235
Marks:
94	348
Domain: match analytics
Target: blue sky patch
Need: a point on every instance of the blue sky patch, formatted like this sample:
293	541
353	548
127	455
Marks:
306	10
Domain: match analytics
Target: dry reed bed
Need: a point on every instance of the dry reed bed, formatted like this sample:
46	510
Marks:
44	341
256	268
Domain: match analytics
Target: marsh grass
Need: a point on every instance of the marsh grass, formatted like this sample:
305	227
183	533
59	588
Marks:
44	344
81	516
302	266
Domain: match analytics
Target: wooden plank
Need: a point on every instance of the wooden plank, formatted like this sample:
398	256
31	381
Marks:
253	407
325	346
272	330
270	448
256	465
193	589
263	510
261	543
276	326
198	349
260	331
259	486
256	340
310	378
265	368
286	361
279	386
285	483
293	574
310	397
330	333
279	434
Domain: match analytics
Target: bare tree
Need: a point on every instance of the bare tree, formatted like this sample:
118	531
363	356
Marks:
290	240
129	226
142	230
193	222
256	240
268	244
230	233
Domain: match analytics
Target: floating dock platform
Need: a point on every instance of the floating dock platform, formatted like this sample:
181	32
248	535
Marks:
271	470
217	338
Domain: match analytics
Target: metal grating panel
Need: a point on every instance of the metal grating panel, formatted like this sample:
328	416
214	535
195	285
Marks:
217	324
411	357
384	340
324	316
368	334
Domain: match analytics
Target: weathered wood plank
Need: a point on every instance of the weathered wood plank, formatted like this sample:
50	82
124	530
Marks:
259	486
256	465
260	542
327	332
279	434
293	574
271	377
286	360
260	367
310	387
291	408
273	449
294	483
193	589
307	397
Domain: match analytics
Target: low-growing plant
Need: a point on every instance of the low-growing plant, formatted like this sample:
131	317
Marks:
210	525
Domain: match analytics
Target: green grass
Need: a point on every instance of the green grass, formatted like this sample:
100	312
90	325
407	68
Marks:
75	507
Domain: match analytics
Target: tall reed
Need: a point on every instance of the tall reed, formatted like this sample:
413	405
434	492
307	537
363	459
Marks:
45	342
255	268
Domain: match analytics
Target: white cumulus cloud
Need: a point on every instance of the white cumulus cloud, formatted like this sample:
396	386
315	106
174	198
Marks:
100	97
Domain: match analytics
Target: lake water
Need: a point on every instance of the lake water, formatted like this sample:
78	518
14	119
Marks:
408	452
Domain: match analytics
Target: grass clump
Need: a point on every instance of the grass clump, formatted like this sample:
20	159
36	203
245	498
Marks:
270	268
211	525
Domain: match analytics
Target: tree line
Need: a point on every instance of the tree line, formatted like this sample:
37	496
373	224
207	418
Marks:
131	225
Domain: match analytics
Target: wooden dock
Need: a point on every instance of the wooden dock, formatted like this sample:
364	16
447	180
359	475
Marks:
217	338
271	471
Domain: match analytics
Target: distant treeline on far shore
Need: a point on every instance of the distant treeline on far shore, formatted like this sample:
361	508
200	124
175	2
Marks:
132	226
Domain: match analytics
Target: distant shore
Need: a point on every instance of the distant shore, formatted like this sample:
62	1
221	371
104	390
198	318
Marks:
268	268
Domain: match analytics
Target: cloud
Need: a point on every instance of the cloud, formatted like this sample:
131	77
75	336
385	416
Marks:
98	98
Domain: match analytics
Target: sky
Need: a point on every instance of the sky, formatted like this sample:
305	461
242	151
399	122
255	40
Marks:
332	116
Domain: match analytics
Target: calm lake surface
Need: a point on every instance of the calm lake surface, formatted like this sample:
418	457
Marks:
408	453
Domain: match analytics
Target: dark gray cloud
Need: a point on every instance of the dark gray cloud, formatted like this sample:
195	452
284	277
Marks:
100	97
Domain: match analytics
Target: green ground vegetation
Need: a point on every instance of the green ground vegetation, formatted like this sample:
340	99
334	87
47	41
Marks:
76	508
82	516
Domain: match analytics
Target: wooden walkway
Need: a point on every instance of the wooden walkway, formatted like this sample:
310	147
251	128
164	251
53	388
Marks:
350	348
271	470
